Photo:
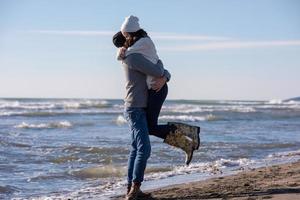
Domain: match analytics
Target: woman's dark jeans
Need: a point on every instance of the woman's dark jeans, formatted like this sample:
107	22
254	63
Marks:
155	102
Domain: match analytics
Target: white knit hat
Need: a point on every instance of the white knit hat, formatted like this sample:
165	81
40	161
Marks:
130	24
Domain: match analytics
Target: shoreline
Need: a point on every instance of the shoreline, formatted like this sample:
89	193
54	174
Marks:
277	182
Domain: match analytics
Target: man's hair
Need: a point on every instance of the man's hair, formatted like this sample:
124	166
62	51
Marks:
118	39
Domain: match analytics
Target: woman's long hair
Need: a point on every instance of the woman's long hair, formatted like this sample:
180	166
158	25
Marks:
135	36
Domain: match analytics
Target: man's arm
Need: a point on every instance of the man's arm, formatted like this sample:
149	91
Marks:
166	74
140	63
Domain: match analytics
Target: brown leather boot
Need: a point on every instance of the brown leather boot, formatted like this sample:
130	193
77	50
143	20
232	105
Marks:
128	188
133	193
140	192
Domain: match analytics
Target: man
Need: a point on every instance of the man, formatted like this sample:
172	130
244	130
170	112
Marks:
136	70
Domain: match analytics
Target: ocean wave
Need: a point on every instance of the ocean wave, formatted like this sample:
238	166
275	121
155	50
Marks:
197	109
62	124
230	102
30	113
15	144
95	150
65	159
267	146
282	102
86	104
185	118
213	167
116	183
192	109
120	120
99	172
275	101
8	189
95	107
188	118
285	154
47	177
57	104
25	105
47	113
223	163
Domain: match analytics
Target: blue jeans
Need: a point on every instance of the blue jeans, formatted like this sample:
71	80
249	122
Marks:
140	144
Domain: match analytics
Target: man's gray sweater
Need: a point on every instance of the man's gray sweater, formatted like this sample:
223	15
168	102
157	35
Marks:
137	67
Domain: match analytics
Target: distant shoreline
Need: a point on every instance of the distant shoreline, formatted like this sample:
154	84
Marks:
169	99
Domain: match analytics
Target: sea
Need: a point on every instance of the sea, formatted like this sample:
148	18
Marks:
78	148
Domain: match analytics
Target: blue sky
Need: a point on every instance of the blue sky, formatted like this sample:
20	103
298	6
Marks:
214	49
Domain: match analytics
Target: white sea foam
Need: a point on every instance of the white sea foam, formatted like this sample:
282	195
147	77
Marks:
234	163
214	167
99	172
26	105
116	185
191	108
62	124
188	118
236	108
279	102
120	120
240	102
185	108
85	104
275	101
57	104
33	113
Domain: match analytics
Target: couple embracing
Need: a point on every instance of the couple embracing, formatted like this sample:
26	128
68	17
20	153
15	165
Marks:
146	91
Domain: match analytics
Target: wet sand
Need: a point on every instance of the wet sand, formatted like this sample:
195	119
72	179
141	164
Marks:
279	182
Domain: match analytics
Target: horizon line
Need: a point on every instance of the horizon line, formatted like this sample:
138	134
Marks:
171	99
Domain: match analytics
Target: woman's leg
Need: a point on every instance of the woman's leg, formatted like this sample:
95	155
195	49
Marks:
173	133
155	102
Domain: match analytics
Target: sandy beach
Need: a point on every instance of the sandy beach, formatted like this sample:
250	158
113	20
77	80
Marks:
279	182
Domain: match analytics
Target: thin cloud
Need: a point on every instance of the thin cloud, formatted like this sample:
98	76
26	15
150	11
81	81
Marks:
205	42
174	36
232	45
73	32
154	35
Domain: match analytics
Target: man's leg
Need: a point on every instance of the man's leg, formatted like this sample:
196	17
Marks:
129	113
143	147
140	150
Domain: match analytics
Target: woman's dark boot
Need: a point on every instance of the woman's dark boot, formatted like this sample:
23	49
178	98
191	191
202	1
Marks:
179	140
188	130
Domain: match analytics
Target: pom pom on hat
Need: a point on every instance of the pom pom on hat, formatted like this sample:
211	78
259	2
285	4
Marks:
130	24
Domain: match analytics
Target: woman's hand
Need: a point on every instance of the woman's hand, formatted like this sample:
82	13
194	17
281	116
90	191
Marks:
158	83
121	53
